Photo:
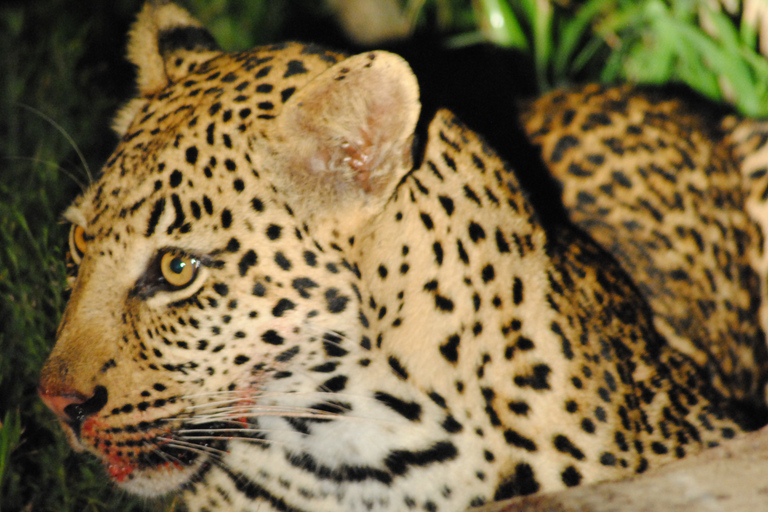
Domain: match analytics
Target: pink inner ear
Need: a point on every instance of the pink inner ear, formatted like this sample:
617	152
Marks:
359	159
348	130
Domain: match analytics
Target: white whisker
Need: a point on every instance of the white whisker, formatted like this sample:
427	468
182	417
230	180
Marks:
66	136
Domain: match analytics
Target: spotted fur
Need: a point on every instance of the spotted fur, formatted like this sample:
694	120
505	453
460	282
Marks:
280	302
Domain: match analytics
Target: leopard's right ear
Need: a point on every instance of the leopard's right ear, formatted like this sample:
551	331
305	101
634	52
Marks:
165	44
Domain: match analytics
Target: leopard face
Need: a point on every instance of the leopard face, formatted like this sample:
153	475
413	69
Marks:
279	302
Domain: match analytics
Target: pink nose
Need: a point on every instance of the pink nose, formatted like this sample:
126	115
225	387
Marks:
71	406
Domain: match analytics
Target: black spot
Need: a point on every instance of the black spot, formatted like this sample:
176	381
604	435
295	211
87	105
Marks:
452	426
221	288
286	93
398	461
409	410
463	256
154	217
178	221
470	194
450	162
450	349
521	483
571	476
208	205
564	144
263	72
585	198
175	179
621	441
226	218
185	38
427	220
274	231
336	302
302	284
476	232
233	245
588	426
283	262
331	346
564	445
230	165
447	204
257	204
310	258
335	384
195	208
501	242
282	306
608	459
659	448
325	367
517	291
489	396
272	337
524	343
438	399
438	250
488	273
519	408
566	343
241	359
287	355
106	366
394	363
248	260
294	67
538	380
191	155
443	303
515	439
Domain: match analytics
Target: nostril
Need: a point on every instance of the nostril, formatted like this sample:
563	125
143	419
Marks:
73	407
77	412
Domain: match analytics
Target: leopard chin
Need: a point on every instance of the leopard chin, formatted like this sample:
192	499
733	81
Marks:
157	481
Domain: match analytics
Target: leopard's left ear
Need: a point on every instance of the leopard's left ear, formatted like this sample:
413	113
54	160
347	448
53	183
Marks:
165	44
345	138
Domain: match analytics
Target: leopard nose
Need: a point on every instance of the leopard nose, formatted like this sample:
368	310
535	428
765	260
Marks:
73	407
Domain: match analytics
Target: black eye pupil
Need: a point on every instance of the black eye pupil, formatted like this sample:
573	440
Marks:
177	265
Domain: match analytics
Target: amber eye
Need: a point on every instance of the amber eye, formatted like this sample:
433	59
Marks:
178	269
77	243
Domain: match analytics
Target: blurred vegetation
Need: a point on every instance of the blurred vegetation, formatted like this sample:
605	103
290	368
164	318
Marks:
62	77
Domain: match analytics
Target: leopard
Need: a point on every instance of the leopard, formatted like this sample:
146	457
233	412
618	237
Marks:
289	292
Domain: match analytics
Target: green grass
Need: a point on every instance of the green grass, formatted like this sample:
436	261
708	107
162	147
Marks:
50	97
62	78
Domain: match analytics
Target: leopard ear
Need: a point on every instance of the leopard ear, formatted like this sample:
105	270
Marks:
166	43
347	134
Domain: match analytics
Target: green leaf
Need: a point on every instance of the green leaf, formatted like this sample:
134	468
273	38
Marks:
499	25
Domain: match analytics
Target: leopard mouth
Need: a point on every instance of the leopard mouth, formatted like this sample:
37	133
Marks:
151	459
